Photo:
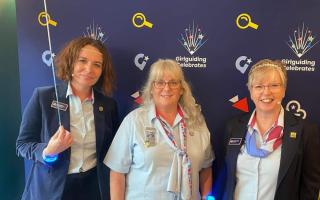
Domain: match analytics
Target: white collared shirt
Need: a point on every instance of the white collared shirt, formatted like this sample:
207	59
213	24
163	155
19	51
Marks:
83	149
257	177
147	168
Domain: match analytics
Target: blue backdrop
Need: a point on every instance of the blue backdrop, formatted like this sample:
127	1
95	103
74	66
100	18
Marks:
216	42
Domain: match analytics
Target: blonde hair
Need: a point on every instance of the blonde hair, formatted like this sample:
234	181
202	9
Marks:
186	101
267	65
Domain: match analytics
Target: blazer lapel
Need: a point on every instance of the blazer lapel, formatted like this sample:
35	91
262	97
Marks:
99	110
65	115
237	136
234	143
290	141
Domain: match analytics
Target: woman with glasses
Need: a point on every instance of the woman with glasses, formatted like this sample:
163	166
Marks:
162	149
270	153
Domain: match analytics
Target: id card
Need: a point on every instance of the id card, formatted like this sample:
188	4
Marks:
150	137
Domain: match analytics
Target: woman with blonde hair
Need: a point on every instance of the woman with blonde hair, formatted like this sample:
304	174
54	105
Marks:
162	149
271	153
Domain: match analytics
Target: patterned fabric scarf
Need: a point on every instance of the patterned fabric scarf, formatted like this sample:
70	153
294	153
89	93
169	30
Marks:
273	141
180	178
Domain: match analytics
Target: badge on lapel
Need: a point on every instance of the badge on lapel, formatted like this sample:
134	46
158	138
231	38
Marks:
293	135
59	105
235	141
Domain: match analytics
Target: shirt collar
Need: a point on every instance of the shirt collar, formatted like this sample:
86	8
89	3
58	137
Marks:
280	120
151	109
70	93
152	113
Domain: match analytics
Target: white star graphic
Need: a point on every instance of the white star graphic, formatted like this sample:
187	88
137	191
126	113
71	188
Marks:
101	34
310	38
146	58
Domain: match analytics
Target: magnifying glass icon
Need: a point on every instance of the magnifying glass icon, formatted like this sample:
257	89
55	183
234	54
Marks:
45	16
248	23
139	20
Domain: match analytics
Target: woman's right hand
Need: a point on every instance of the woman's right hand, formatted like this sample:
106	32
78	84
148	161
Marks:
59	142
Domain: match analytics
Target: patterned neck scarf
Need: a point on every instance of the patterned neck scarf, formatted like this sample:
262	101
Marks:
274	140
180	179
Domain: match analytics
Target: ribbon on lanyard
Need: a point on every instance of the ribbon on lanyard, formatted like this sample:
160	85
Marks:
180	179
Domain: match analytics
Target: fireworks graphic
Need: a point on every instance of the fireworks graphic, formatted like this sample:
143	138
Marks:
302	41
192	39
95	32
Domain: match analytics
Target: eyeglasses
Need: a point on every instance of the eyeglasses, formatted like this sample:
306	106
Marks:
275	87
162	84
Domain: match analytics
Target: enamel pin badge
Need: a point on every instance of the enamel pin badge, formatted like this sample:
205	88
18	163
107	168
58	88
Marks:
293	135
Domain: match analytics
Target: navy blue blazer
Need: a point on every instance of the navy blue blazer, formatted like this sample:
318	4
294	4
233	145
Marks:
299	172
40	122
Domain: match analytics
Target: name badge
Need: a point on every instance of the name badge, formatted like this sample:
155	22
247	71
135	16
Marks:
59	105
235	141
150	137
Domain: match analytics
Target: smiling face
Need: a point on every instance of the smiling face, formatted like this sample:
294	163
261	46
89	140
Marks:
87	68
166	97
267	91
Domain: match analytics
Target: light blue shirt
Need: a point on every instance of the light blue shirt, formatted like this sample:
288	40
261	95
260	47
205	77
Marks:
257	177
83	149
147	168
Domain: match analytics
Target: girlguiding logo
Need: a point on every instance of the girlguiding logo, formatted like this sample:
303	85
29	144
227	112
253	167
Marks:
192	39
300	43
